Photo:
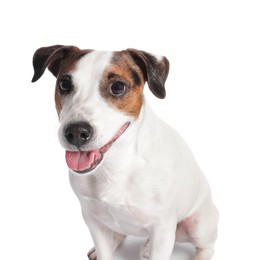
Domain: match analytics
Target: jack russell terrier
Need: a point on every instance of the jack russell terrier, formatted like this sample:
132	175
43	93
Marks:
132	173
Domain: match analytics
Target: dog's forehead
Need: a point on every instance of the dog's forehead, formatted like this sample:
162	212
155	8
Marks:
97	66
92	64
95	62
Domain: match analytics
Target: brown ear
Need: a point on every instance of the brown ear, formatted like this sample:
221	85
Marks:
155	71
50	57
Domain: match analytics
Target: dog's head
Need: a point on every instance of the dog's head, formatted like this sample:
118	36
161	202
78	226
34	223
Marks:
98	95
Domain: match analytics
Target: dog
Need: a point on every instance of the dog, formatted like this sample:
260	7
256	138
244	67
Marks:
132	173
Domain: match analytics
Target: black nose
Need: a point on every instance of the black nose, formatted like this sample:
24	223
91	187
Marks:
78	133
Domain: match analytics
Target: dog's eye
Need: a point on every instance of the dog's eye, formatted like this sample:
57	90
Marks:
118	88
65	86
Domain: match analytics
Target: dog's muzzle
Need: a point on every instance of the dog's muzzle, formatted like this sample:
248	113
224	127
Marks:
79	134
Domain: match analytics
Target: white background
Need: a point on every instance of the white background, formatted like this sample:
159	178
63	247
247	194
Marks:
216	99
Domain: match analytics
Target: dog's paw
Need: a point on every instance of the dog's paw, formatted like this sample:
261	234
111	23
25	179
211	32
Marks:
144	254
204	253
92	254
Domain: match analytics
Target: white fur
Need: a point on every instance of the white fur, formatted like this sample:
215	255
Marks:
148	183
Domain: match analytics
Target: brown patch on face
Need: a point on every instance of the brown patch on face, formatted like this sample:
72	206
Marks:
66	66
123	70
60	60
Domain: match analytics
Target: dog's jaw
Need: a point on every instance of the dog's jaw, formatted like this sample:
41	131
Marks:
86	161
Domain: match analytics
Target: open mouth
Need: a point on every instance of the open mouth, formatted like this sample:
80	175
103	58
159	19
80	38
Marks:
86	161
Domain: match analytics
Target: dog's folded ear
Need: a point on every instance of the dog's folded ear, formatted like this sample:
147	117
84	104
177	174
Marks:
50	57
155	70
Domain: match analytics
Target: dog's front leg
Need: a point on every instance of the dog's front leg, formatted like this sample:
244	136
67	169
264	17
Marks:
105	240
160	244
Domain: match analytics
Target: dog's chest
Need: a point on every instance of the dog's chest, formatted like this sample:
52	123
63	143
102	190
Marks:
124	219
118	210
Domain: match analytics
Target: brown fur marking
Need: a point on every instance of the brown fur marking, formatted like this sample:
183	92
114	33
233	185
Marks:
123	68
66	66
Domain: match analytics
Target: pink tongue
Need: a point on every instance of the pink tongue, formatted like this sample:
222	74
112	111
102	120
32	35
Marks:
80	161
